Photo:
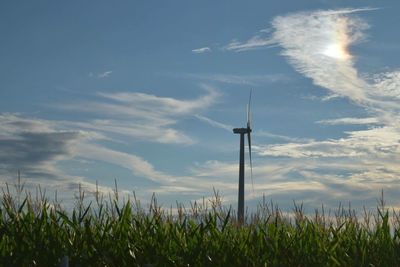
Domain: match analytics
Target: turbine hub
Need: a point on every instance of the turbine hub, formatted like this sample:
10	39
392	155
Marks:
242	130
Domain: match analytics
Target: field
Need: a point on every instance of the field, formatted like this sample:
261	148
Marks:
114	232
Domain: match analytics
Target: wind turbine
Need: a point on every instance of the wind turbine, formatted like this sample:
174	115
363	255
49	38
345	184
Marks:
242	132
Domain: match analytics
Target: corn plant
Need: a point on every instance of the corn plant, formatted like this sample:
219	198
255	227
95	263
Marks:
37	232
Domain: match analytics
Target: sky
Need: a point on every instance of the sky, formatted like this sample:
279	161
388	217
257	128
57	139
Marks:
146	93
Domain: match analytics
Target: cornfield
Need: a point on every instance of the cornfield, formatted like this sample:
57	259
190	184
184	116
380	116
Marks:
115	232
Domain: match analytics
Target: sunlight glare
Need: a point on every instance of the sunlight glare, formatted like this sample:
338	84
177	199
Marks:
338	42
337	51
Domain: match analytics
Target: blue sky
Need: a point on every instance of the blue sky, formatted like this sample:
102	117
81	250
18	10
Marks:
146	92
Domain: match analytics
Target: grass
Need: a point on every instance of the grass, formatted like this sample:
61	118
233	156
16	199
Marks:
113	232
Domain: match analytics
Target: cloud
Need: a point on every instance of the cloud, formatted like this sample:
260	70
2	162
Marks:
263	40
255	42
350	121
281	181
380	142
139	166
317	45
262	133
144	116
215	123
325	98
154	104
385	90
312	182
201	50
160	133
34	145
259	133
105	74
253	80
37	147
101	75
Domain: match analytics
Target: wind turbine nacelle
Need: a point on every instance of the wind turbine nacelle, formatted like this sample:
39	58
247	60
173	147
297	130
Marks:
241	130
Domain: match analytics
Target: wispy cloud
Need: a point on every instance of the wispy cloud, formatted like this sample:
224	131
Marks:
154	104
144	116
101	75
316	44
255	42
262	39
259	133
134	163
34	146
262	133
215	123
201	50
349	121
254	79
105	74
37	147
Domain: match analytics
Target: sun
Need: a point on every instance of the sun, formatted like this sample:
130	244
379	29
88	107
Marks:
337	51
338	41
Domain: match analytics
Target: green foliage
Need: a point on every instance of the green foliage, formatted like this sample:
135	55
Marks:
34	232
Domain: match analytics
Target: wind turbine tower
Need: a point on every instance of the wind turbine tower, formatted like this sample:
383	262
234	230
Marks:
242	132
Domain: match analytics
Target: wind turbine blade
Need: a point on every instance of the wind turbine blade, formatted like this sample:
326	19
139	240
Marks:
247	115
248	112
251	163
250	119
